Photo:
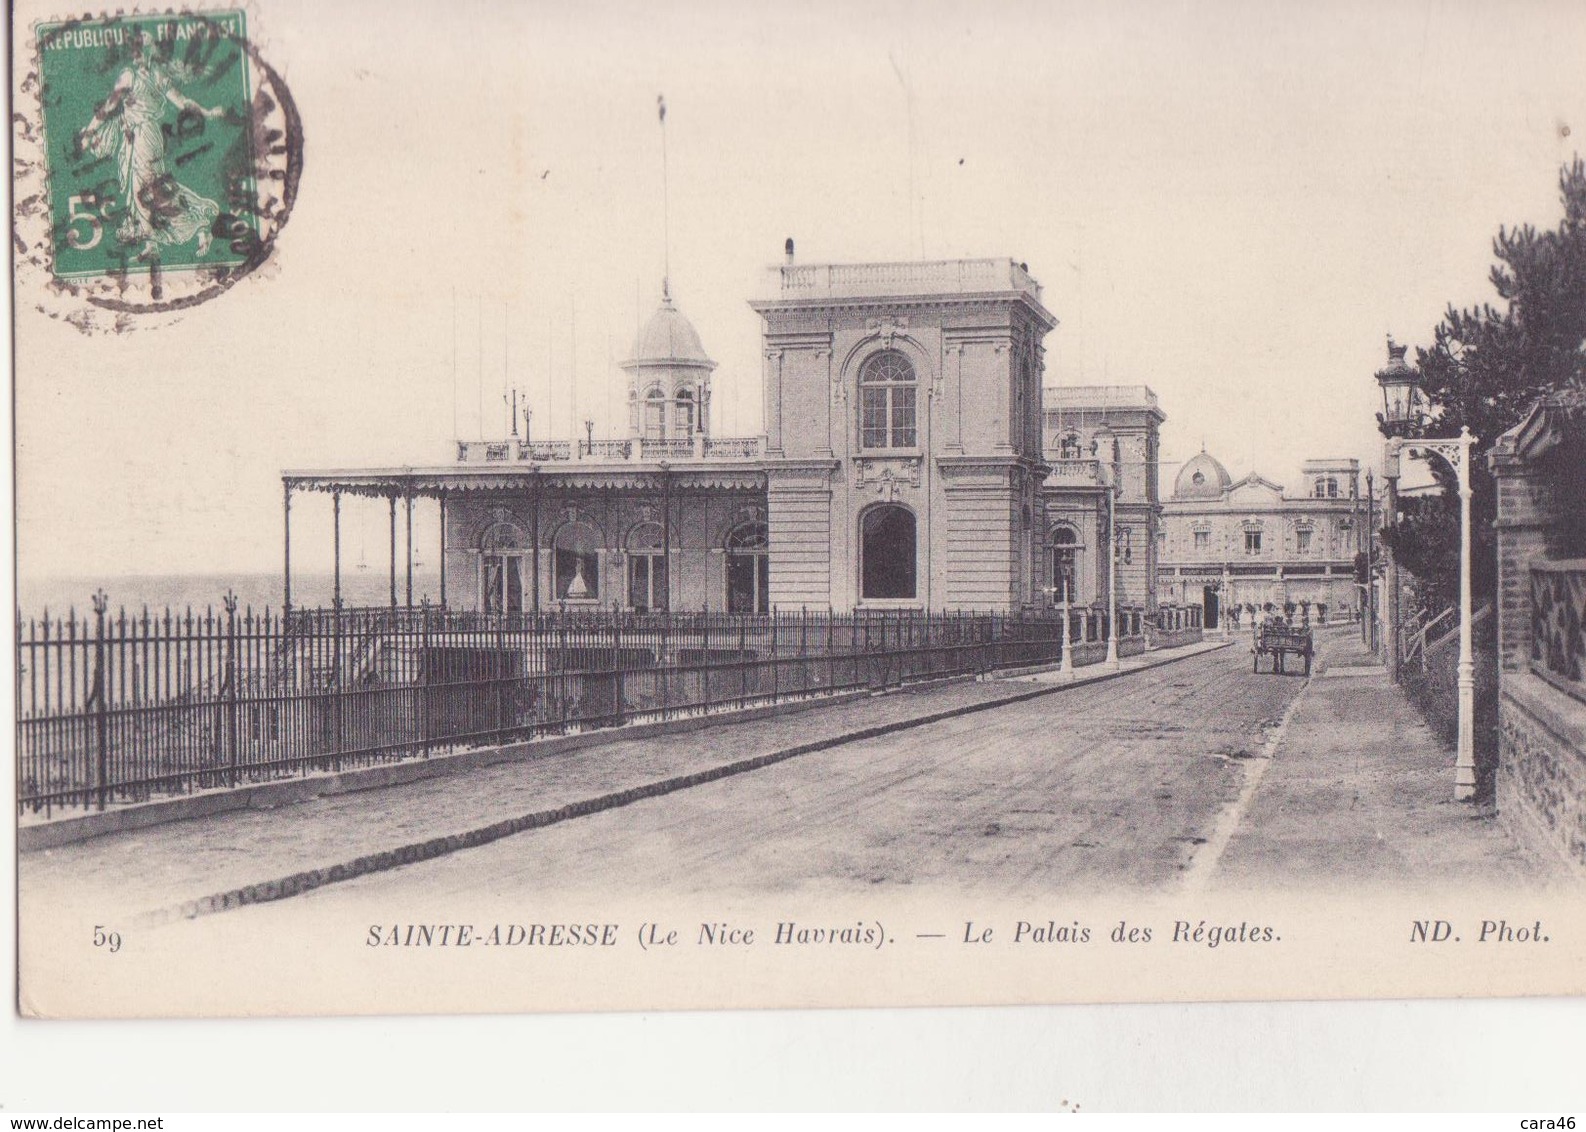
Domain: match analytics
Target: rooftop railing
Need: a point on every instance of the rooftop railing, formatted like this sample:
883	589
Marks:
1056	397
610	451
931	277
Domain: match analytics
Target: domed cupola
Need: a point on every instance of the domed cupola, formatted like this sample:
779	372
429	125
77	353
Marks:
668	377
1202	477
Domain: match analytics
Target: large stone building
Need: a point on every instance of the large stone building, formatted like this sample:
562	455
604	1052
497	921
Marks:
1098	436
906	463
1253	544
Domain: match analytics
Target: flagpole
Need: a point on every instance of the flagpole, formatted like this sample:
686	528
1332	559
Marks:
666	206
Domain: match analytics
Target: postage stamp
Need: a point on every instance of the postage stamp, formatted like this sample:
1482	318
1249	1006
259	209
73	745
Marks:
163	161
149	154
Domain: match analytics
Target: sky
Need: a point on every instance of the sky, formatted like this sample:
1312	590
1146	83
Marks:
1233	203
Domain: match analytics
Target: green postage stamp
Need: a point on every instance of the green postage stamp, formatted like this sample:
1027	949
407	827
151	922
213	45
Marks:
165	153
145	120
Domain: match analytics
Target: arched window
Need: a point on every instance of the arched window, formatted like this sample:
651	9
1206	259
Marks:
576	568
647	580
748	569
1065	565
655	415
683	414
505	568
887	552
886	402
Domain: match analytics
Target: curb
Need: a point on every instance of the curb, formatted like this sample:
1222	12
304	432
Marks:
298	883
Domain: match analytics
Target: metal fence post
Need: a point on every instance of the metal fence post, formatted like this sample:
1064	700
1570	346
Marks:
101	707
424	680
229	723
616	662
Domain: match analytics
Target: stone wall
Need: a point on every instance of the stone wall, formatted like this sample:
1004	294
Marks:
1542	772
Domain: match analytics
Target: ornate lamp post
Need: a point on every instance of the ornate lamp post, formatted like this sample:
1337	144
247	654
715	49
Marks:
1403	408
1403	415
1403	412
1111	663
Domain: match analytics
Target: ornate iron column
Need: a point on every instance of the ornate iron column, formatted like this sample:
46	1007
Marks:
666	529
1456	453
335	500
408	544
392	500
286	519
443	548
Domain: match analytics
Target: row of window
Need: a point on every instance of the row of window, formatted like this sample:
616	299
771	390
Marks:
507	568
1302	541
655	424
888	564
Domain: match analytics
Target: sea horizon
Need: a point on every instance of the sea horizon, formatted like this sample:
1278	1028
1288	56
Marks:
59	595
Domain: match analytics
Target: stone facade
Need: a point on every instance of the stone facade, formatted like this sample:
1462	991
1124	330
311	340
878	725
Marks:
916	388
1099	436
1251	543
909	462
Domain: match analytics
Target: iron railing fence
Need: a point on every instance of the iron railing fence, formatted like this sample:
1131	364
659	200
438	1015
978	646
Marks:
116	708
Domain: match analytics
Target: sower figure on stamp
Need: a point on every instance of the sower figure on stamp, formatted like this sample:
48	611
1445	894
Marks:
127	129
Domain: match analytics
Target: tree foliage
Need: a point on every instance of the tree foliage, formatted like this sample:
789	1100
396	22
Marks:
1486	367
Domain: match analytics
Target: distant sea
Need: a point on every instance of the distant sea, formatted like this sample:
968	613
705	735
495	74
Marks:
134	592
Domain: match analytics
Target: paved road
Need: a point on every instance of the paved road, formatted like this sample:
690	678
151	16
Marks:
1111	787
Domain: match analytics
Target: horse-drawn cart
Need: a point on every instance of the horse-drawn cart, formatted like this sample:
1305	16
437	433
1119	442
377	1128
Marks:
1276	640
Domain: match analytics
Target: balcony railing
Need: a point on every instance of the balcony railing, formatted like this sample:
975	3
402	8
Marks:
610	451
1075	473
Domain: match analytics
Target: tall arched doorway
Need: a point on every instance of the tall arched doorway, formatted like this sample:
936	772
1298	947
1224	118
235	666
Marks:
887	553
647	579
1065	565
748	569
505	569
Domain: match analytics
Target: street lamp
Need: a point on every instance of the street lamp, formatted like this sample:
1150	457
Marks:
1403	415
1403	408
1103	442
1456	453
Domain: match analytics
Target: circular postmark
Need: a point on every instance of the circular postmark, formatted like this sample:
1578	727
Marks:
158	169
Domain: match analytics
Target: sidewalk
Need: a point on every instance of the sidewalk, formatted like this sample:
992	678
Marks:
1360	792
241	852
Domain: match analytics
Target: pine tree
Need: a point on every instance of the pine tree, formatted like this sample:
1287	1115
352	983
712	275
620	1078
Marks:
1487	366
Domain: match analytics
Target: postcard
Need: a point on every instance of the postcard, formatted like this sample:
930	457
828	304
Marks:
694	506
